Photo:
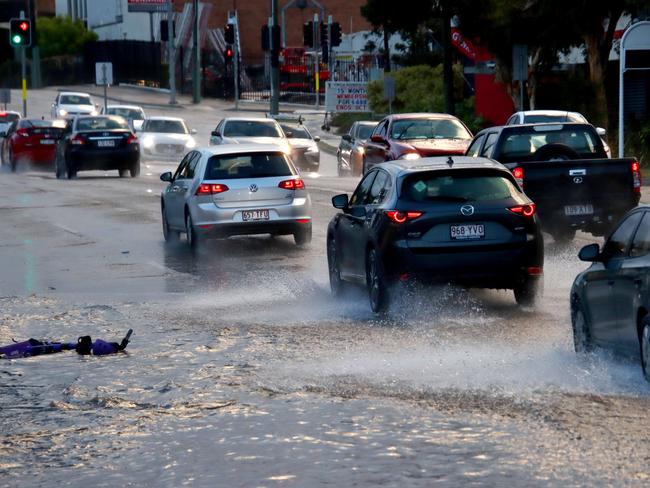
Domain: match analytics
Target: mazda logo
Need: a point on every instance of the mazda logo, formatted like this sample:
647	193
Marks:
467	210
577	180
253	188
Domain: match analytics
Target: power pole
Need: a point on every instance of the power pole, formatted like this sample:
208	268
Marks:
275	61
447	71
171	45
196	78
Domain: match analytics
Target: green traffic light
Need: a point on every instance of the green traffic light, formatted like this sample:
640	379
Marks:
17	39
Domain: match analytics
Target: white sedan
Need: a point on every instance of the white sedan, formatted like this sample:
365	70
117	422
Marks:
165	138
70	104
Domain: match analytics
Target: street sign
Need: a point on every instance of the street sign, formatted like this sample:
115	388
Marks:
5	95
346	96
520	62
103	74
147	5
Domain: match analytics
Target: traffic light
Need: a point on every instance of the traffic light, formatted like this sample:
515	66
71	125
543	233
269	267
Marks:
20	32
323	33
266	38
325	52
229	33
308	34
164	37
335	34
227	55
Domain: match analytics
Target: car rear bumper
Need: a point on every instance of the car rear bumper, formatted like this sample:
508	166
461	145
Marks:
36	154
89	159
275	227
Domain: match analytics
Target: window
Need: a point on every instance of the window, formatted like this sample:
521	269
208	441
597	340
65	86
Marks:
491	140
364	131
361	193
297	132
127	113
252	128
474	148
429	129
248	165
381	129
75	100
101	123
522	144
641	243
379	188
165	126
190	167
458	186
182	167
617	244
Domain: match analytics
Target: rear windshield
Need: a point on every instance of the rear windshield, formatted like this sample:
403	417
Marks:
75	100
428	129
251	128
8	118
296	132
248	165
101	123
38	123
165	126
540	119
457	187
365	131
127	113
523	145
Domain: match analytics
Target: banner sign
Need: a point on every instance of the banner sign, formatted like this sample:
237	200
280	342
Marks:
346	96
463	45
147	5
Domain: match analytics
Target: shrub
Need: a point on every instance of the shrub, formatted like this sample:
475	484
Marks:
59	36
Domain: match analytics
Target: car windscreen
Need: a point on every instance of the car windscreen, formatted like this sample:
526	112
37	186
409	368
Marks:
75	100
165	126
523	144
101	123
296	132
428	129
251	128
364	131
127	113
248	165
8	118
457	186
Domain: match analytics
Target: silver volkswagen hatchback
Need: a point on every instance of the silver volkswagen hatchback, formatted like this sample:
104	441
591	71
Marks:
235	189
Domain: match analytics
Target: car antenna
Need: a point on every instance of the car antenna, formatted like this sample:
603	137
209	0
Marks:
450	161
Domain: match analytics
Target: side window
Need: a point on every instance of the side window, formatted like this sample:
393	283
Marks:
183	166
381	129
617	244
489	144
191	165
512	120
641	243
353	130
379	188
361	193
475	147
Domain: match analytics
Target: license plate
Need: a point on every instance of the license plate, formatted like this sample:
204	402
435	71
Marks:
579	209
47	141
467	231
255	215
106	143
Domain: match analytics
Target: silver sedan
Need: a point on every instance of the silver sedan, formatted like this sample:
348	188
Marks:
238	189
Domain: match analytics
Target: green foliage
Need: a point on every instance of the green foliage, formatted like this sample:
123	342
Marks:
59	36
637	141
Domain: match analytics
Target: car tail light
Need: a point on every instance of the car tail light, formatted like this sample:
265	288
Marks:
527	210
400	217
77	141
296	184
132	139
518	173
636	176
23	132
211	189
535	271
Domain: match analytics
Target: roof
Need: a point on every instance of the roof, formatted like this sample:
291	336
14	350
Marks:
250	119
367	122
548	112
137	107
402	166
420	115
74	93
241	148
525	127
160	117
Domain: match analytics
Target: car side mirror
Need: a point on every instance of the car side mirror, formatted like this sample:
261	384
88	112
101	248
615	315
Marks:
215	133
316	138
590	253
378	139
601	132
340	201
347	137
289	134
166	176
192	131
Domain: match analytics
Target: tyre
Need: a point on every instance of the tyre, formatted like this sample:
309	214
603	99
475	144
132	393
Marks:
190	231
123	173
581	331
528	293
336	284
169	234
376	282
302	237
70	171
12	161
135	170
645	348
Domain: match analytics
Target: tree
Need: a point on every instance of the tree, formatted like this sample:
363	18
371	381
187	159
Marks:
59	36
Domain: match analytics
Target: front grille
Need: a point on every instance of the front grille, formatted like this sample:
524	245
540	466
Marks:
169	148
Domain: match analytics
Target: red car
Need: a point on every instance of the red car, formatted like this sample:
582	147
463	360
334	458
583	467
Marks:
412	136
31	141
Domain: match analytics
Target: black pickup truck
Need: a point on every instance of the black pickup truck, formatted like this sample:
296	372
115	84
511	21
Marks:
564	169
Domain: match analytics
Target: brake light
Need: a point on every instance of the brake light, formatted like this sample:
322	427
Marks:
132	139
518	173
535	270
636	176
296	184
23	132
401	217
77	141
527	210
211	189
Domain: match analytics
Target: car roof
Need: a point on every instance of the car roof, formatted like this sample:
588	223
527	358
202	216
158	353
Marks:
138	107
241	148
549	112
75	93
161	117
410	166
251	119
367	122
523	127
421	115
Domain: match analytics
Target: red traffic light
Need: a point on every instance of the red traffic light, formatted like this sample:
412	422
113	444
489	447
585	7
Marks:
23	26
229	52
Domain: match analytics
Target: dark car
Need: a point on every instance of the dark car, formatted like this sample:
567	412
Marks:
31	141
451	220
103	142
412	136
349	155
610	300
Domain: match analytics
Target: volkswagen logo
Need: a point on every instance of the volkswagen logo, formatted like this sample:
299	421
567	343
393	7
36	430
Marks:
577	180
467	210
253	188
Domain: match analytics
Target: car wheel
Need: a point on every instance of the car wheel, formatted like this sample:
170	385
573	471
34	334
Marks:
336	284
528	293
645	348
123	173
169	234
376	283
302	237
135	170
192	237
12	161
70	172
581	331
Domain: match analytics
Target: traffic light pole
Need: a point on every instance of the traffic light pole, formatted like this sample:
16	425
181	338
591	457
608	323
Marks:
23	71
171	45
275	62
196	77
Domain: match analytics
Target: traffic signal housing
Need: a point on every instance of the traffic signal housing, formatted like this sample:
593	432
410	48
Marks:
227	55
335	34
229	33
323	33
20	32
308	34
